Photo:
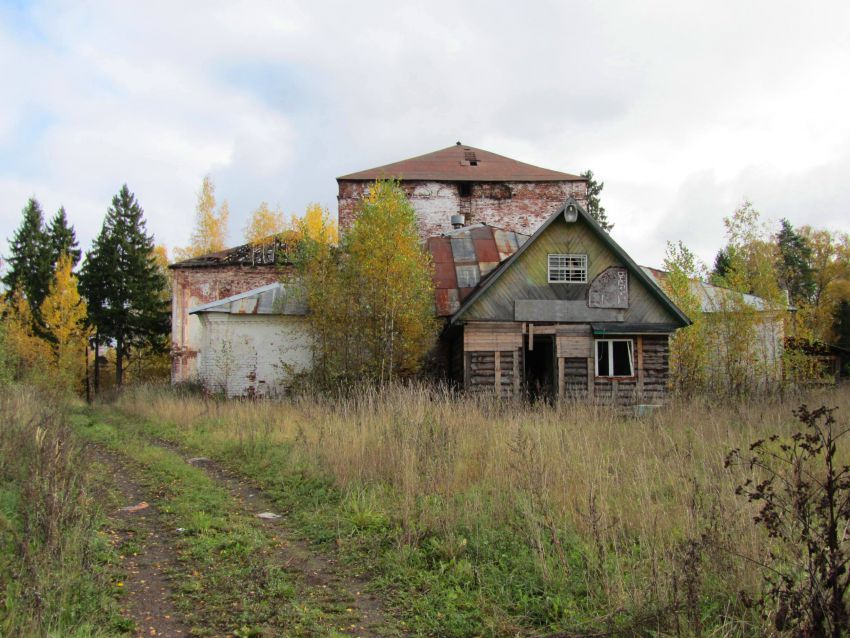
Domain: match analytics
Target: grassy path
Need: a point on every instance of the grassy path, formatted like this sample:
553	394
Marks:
144	551
202	564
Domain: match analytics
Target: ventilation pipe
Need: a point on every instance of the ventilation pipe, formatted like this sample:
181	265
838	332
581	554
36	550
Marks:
458	221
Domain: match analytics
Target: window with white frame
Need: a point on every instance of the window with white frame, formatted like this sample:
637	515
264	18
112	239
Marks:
615	358
567	269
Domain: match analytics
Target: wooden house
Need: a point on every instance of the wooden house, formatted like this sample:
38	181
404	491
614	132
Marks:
565	313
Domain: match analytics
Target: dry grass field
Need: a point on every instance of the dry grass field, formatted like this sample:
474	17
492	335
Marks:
483	517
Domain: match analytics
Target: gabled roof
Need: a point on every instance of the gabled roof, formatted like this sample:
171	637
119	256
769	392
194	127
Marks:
573	206
271	299
464	257
459	163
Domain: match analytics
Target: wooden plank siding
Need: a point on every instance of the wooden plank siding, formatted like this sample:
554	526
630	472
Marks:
495	365
527	278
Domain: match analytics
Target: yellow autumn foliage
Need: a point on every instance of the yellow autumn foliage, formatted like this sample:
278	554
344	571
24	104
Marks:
210	232
371	302
26	350
317	225
263	224
64	314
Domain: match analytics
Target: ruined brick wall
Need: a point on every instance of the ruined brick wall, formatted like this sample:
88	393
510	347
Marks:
195	286
517	206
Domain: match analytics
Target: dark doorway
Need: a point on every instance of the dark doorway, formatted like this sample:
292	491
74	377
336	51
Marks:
540	369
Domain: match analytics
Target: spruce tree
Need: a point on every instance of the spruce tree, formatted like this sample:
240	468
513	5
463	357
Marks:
594	206
795	263
62	239
124	285
30	264
722	263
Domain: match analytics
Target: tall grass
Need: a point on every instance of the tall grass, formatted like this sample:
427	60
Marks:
617	515
48	524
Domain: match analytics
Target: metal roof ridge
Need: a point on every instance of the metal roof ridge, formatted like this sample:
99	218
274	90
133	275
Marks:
237	297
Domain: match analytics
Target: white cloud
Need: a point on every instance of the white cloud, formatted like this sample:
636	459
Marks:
681	108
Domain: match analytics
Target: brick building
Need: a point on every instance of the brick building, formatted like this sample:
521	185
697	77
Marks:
483	187
461	180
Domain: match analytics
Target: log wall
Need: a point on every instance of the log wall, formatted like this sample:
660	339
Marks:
492	357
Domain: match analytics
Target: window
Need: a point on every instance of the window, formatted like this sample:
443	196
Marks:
614	358
567	269
464	189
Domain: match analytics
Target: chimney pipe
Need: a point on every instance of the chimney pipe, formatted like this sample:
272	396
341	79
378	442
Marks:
458	221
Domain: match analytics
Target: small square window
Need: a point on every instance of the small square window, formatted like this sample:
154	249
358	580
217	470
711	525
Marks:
567	269
615	358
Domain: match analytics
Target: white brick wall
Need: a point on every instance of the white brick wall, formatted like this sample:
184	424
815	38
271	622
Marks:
245	355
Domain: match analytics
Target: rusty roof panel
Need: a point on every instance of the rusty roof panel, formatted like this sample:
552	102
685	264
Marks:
463	249
441	250
486	250
486	267
481	232
452	164
468	276
447	301
506	242
444	275
463	257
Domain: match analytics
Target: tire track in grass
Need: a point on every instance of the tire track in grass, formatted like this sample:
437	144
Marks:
236	575
318	570
145	554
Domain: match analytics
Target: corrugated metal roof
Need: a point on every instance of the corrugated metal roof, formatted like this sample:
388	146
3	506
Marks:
459	163
712	298
272	299
464	257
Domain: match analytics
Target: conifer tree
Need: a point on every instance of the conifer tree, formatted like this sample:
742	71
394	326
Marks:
124	285
794	264
30	263
594	205
62	239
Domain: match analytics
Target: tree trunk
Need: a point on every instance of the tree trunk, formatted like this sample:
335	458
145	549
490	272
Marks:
97	364
119	362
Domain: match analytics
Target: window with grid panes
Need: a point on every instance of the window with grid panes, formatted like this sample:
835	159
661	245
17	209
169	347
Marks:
567	269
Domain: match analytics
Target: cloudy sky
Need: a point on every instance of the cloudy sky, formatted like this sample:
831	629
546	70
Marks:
682	108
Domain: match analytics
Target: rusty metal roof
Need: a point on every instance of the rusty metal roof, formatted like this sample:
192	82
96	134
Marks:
464	257
461	163
268	253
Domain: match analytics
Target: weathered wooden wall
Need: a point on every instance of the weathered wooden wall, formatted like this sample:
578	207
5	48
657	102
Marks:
493	361
528	280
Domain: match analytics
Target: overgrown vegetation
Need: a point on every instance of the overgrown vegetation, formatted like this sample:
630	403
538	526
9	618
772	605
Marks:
371	300
736	344
55	577
802	489
497	519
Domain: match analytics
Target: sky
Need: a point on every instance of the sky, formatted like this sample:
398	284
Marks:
683	109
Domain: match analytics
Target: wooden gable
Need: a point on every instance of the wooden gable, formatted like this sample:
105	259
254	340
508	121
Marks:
617	291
